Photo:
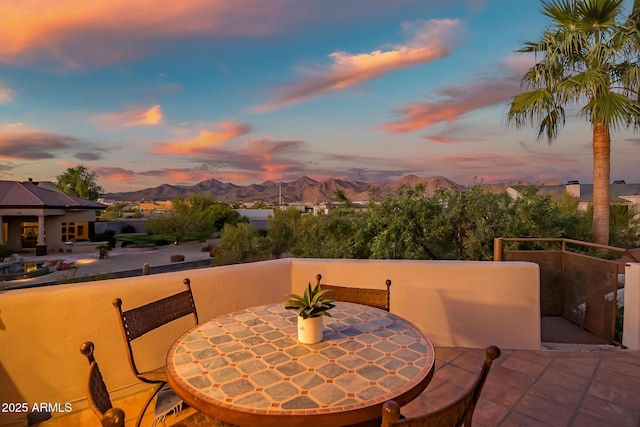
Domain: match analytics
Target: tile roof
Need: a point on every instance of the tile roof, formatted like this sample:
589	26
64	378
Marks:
30	195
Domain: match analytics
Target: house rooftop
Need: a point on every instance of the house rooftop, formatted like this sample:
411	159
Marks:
619	189
31	194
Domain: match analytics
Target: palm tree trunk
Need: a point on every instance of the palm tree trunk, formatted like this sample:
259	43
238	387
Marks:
601	179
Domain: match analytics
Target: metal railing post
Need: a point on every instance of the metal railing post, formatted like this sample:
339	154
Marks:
497	249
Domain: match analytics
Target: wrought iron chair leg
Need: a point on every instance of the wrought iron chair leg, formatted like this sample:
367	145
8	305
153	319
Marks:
148	402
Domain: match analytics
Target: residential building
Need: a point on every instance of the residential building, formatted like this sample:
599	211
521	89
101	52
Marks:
36	215
621	192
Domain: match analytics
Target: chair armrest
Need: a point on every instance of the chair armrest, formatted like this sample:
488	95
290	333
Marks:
114	417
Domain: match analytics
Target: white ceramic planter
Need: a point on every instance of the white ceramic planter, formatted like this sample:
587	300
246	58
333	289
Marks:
310	330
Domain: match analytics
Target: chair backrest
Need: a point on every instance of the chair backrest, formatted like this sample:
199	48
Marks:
138	321
456	414
97	393
379	298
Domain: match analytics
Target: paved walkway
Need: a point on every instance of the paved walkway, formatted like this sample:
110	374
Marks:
119	259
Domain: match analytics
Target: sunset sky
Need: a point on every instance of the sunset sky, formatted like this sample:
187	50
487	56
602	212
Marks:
151	92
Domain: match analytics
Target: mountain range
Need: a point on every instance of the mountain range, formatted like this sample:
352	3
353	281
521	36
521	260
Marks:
304	189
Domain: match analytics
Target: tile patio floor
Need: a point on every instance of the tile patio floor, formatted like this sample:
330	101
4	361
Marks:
542	388
533	388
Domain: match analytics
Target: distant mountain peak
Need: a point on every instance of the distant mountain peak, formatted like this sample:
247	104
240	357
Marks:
305	179
303	189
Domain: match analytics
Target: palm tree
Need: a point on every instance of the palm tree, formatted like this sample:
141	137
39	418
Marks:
588	58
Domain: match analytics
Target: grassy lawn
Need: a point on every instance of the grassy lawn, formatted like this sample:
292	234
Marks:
150	238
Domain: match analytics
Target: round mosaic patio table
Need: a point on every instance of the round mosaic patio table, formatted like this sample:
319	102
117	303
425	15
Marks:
247	367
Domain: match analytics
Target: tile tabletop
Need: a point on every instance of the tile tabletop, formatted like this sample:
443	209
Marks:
248	365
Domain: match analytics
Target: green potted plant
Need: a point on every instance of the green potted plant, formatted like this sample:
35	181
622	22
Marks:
311	307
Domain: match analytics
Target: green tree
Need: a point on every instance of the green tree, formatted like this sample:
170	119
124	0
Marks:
242	243
588	57
404	228
220	214
118	210
477	216
81	182
309	238
624	225
538	214
197	217
341	233
283	228
345	233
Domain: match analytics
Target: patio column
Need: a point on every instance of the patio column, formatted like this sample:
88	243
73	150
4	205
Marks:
631	326
1	229
41	246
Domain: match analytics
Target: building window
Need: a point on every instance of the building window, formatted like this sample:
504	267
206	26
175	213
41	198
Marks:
29	234
75	231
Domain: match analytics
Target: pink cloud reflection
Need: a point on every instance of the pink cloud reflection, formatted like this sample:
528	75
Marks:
134	117
428	41
455	101
207	138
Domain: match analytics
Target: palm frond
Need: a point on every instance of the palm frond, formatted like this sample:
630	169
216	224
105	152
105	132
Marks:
563	13
599	15
584	84
614	109
537	106
550	125
628	76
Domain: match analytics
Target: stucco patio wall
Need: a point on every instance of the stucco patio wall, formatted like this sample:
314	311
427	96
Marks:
468	304
41	329
458	304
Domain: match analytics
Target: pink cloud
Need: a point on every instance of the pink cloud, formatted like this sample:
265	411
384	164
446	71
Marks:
33	144
441	139
221	132
6	95
455	101
259	158
180	175
264	158
255	159
79	33
135	117
115	174
219	148
526	164
428	41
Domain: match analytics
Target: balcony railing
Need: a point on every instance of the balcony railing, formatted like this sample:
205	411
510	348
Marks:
584	289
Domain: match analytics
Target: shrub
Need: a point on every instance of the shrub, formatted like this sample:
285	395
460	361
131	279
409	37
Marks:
108	237
242	243
5	251
125	243
104	250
